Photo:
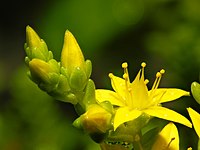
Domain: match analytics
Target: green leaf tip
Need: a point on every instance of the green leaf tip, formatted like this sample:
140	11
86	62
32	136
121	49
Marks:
195	89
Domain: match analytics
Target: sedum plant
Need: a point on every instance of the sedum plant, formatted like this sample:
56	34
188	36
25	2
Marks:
114	119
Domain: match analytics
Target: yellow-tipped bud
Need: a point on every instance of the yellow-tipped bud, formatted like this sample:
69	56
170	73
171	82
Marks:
71	56
96	119
40	70
36	47
32	37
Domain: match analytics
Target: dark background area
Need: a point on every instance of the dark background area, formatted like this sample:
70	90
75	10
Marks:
163	33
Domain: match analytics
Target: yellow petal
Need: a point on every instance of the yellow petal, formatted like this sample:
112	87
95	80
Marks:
107	95
118	84
123	114
167	139
139	91
167	114
168	94
195	117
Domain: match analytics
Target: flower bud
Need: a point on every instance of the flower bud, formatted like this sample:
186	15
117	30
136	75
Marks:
71	56
96	119
36	47
40	70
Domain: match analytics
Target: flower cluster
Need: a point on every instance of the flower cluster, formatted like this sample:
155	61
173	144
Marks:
113	118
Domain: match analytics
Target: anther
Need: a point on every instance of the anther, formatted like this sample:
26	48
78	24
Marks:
158	74
162	71
124	65
143	64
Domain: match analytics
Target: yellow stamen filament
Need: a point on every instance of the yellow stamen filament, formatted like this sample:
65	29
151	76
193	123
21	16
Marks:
158	78
156	82
125	67
127	84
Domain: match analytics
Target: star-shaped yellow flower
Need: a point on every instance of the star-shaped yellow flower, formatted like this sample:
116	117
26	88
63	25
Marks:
134	98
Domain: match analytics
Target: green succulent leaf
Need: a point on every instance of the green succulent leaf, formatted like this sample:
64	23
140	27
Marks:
89	97
88	68
78	79
195	89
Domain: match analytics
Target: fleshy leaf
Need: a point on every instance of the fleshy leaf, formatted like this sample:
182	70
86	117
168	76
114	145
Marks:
167	114
78	79
107	95
195	89
167	139
195	117
168	94
123	114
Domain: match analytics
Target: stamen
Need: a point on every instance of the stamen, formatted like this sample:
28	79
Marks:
158	74
156	80
125	67
162	71
127	84
143	64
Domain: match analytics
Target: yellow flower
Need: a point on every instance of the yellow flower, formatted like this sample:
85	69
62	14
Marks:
134	98
168	138
195	117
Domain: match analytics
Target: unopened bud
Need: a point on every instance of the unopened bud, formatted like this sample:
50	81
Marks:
40	70
71	56
36	47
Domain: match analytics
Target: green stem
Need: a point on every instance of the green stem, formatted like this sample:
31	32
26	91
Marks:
137	144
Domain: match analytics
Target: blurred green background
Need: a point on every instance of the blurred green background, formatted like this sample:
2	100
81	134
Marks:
163	33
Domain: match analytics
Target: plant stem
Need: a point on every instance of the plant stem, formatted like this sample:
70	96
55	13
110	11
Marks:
137	144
